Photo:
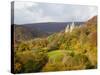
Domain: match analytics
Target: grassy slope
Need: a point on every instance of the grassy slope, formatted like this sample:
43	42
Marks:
57	55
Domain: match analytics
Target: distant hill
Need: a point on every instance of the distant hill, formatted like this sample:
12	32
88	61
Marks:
50	27
24	33
30	31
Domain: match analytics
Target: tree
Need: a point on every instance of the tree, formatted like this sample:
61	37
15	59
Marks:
31	61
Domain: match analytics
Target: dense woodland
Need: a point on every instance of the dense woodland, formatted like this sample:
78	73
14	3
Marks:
59	51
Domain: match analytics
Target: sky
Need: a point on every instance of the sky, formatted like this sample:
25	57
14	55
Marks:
33	12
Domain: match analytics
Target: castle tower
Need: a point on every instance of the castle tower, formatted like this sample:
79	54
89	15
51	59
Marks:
72	26
67	28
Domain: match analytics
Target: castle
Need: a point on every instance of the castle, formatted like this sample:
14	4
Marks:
70	27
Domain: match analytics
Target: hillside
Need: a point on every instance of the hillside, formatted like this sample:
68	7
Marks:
25	33
59	51
38	30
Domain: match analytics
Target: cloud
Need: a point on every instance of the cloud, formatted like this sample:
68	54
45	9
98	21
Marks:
21	4
30	12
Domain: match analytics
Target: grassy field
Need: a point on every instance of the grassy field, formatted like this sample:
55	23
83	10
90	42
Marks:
58	55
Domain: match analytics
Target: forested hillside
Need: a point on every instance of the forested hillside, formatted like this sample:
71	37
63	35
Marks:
59	51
